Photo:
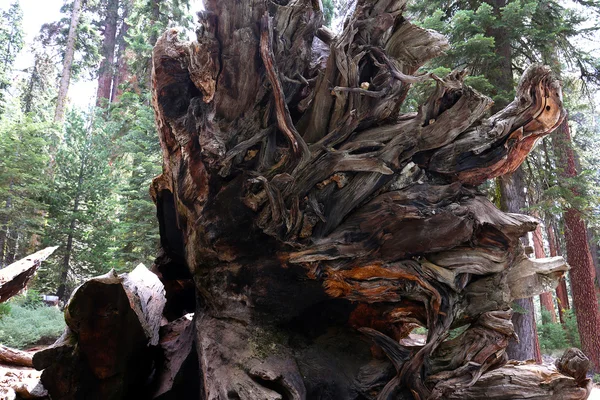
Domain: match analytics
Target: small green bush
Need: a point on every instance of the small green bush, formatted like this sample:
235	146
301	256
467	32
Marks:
556	336
25	326
571	328
4	309
31	299
552	337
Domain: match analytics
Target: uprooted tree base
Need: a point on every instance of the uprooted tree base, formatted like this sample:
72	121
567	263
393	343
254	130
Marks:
310	225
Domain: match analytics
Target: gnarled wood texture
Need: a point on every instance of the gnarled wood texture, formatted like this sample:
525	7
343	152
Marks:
311	225
311	214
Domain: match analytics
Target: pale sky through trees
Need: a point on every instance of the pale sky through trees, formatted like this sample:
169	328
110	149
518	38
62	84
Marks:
38	12
82	92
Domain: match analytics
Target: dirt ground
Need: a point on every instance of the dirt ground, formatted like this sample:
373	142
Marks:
17	379
22	380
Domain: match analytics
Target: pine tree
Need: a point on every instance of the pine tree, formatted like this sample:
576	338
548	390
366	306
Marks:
24	145
81	206
11	43
65	77
106	71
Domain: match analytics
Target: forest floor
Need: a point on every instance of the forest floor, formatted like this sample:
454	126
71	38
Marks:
23	380
17	379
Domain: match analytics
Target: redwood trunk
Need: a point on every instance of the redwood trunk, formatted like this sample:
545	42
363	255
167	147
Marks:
122	75
107	70
546	300
579	257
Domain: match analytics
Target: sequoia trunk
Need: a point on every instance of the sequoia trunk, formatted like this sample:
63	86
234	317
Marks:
579	258
107	70
546	300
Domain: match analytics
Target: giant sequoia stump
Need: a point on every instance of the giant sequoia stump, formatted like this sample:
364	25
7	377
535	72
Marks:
312	225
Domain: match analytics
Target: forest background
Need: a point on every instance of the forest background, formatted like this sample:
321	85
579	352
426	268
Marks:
78	145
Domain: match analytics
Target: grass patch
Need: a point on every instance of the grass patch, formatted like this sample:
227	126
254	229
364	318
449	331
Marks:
25	326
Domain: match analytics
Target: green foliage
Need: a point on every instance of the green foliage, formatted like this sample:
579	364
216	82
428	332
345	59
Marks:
328	11
81	203
137	231
25	326
555	336
30	299
4	309
552	336
53	37
24	158
11	43
536	31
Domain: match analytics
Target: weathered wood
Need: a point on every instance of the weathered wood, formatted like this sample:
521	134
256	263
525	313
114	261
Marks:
15	277
177	345
518	379
302	202
302	215
108	349
15	357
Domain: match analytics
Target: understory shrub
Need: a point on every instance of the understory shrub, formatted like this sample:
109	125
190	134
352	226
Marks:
24	326
555	336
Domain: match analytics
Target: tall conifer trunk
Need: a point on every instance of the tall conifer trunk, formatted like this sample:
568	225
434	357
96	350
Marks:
546	300
512	189
65	79
107	70
121	74
582	271
512	199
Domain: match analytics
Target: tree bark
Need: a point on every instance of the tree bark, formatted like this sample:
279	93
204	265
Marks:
4	225
61	101
107	71
562	296
527	347
123	56
546	300
284	161
579	258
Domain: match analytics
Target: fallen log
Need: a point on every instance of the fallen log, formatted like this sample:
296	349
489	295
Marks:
15	357
109	347
179	360
15	277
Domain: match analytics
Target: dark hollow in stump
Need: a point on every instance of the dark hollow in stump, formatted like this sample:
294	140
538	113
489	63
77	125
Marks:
320	224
